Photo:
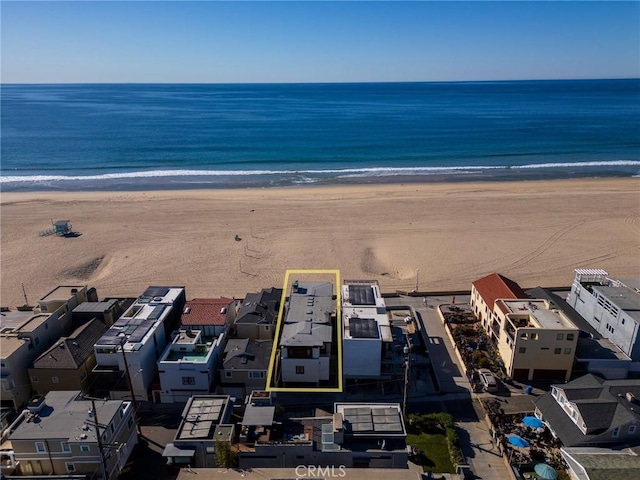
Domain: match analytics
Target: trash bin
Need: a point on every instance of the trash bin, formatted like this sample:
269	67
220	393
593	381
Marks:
528	389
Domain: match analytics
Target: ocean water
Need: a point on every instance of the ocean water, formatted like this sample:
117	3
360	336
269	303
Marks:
137	136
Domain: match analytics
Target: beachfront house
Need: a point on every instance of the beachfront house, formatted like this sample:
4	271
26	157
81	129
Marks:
257	315
592	411
485	292
187	367
610	305
67	365
366	330
62	434
211	316
306	336
26	334
535	341
135	342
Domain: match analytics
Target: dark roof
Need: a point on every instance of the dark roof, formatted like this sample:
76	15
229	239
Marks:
495	286
602	404
71	352
247	354
260	307
205	311
363	327
362	295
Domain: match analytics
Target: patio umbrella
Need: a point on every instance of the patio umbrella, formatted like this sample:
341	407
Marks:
545	471
517	441
533	422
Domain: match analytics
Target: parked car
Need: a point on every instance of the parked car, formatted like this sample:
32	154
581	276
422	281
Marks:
488	381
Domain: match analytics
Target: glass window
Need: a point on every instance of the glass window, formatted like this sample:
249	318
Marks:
188	380
34	379
522	350
616	432
54	380
632	429
560	336
300	369
65	447
70	467
570	336
557	351
40	448
534	336
567	351
228	373
84	448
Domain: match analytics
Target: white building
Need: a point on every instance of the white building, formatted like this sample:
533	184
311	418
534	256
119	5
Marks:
140	336
611	306
187	366
305	342
366	330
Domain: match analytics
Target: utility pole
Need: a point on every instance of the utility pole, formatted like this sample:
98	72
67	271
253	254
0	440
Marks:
133	395
417	283
407	374
103	461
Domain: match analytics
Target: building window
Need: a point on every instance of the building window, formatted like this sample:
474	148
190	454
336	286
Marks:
300	369
228	373
54	380
34	379
522	350
84	448
557	351
560	336
256	374
632	429
188	380
570	336
574	415
40	448
534	336
524	335
70	467
616	432
65	447
567	351
266	327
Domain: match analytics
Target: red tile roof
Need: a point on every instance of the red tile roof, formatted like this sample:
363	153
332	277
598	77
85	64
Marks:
495	286
205	311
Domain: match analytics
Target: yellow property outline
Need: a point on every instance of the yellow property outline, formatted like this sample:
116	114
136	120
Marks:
274	350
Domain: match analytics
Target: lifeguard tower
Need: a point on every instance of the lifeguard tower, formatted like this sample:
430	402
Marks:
62	228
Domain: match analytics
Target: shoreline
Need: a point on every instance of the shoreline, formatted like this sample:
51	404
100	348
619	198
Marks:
449	234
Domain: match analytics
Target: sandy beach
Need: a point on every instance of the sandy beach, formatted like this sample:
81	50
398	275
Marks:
434	236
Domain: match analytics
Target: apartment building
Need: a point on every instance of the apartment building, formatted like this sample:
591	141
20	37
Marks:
64	434
485	292
26	334
610	305
138	337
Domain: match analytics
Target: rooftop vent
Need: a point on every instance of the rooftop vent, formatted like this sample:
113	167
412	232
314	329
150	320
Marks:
36	404
630	397
187	310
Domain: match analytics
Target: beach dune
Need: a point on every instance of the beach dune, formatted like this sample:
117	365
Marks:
429	237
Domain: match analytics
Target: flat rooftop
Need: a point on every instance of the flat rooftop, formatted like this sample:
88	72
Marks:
201	416
62	293
135	324
95	307
66	418
538	311
622	297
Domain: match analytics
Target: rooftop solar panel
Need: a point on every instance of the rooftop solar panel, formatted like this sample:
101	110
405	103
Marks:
361	295
155	292
363	328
